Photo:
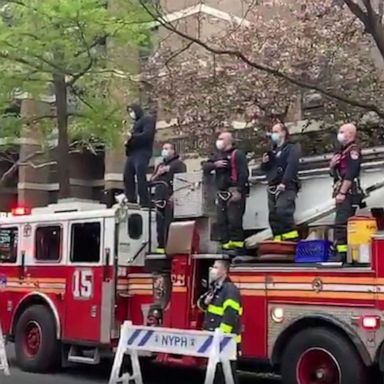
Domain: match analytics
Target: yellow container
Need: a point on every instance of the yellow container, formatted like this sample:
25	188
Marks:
360	231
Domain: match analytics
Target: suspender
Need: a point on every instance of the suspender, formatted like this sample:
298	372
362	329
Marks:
234	174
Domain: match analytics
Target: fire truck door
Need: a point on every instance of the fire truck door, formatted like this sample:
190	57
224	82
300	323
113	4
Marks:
89	295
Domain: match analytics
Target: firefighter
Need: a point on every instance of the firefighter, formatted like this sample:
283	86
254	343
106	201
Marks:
345	170
138	149
281	166
222	307
162	180
231	176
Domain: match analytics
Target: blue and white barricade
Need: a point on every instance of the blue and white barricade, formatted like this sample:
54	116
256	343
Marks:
215	346
3	355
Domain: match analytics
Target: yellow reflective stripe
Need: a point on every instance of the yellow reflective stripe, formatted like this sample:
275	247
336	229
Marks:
236	244
342	248
215	310
228	303
238	339
277	238
160	250
290	235
233	245
226	328
233	304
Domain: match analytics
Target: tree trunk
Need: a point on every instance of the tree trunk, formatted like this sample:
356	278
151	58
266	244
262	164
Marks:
378	36
63	159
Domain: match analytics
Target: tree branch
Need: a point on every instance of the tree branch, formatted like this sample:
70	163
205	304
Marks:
372	21
357	11
78	94
36	166
89	55
36	119
13	169
177	53
272	71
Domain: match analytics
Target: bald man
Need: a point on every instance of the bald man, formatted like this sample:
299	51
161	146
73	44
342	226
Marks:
281	166
230	167
345	170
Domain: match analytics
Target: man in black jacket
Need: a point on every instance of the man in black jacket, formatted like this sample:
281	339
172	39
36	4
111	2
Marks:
138	149
222	307
231	175
281	166
162	179
345	170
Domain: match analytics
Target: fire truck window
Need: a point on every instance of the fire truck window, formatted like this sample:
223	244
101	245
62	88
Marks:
135	226
48	243
8	245
85	243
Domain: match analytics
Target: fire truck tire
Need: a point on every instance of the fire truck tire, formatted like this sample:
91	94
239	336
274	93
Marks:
36	346
320	355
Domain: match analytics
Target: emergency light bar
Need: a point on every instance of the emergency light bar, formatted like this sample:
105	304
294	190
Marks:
20	211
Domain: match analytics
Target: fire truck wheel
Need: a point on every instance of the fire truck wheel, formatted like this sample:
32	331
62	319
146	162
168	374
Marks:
36	346
321	356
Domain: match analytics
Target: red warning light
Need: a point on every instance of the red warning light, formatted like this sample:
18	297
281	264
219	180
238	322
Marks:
20	211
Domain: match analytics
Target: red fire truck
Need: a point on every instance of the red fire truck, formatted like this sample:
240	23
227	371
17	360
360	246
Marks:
72	272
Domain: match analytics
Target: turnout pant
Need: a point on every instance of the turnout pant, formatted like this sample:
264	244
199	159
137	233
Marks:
137	165
164	217
344	211
229	218
219	376
281	206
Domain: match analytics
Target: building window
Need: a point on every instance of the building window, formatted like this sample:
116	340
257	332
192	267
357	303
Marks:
85	242
8	245
135	226
48	243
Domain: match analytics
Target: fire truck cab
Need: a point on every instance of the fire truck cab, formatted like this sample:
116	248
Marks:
65	285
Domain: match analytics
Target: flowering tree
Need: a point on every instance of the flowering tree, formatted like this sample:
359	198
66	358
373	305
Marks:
264	69
59	47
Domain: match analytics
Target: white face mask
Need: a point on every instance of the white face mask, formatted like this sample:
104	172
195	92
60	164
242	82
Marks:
213	275
276	138
341	138
220	145
132	114
165	153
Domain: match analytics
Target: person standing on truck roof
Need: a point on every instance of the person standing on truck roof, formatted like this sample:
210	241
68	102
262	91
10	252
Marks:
345	170
230	166
162	179
222	307
281	166
138	150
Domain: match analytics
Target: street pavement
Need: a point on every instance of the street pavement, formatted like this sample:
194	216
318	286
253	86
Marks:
100	374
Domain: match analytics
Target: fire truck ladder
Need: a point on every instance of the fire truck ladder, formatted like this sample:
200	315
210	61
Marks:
309	217
3	356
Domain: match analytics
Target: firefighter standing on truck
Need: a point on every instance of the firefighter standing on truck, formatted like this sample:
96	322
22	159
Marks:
231	175
281	166
162	179
222	307
345	170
